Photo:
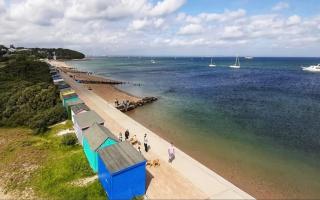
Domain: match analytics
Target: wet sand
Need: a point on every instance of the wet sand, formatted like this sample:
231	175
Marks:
110	93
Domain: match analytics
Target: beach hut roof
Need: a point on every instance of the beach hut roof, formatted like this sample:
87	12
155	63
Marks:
79	108
68	96
58	80
120	156
69	91
57	77
86	119
96	135
72	103
63	86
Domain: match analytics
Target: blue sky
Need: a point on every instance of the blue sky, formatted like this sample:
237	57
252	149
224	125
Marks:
301	7
165	27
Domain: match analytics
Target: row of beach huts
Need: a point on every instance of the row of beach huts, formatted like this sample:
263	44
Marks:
120	167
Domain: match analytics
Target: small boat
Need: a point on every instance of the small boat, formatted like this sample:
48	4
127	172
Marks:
312	68
236	64
248	57
153	61
212	64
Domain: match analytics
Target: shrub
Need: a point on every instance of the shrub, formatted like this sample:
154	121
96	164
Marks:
28	96
69	139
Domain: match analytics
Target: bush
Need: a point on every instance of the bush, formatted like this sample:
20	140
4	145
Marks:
69	139
28	96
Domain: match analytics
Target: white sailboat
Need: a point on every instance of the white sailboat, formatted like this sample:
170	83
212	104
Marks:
236	64
312	68
212	64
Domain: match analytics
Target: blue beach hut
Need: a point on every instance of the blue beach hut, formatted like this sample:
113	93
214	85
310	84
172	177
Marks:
122	171
63	86
58	81
83	121
94	138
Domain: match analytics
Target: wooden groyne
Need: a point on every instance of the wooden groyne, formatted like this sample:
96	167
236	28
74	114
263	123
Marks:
111	82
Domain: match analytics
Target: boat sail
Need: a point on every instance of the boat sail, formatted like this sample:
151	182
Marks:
236	64
212	64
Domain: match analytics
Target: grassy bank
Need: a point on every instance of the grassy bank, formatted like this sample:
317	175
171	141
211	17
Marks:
41	166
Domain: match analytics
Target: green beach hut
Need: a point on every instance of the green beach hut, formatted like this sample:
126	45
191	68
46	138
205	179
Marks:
96	137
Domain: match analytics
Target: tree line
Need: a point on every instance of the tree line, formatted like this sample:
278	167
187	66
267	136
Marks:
27	95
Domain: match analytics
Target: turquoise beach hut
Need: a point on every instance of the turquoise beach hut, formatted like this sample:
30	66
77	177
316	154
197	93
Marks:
122	171
94	138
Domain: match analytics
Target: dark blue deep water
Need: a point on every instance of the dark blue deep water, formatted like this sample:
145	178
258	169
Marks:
265	115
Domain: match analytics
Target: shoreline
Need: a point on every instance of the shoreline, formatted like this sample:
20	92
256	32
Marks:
105	88
212	184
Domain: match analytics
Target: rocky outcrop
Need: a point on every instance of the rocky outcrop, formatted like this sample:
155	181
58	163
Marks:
124	107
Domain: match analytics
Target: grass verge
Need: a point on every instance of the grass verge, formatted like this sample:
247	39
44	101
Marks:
43	166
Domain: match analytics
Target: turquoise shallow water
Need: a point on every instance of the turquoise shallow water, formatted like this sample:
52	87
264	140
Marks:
258	126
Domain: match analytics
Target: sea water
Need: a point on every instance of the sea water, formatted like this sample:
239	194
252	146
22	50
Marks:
258	126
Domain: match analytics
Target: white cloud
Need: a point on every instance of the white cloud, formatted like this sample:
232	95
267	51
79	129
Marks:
159	22
115	9
232	32
294	20
139	24
226	16
132	26
181	42
2	6
106	9
166	7
280	6
223	17
191	29
36	11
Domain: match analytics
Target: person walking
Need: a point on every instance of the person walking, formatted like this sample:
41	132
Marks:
120	137
116	102
145	142
126	134
171	153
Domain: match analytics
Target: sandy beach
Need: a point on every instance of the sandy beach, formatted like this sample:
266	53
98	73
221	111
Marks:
107	91
185	178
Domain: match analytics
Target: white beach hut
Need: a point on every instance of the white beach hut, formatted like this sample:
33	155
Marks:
83	121
77	109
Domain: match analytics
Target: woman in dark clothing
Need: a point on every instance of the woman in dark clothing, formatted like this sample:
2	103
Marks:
126	134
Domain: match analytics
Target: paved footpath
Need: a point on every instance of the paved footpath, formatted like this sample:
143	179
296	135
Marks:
184	178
